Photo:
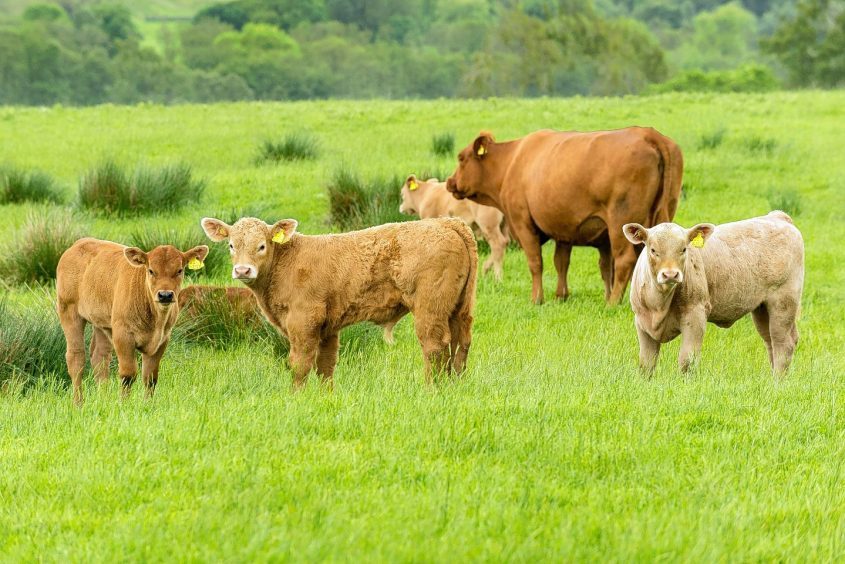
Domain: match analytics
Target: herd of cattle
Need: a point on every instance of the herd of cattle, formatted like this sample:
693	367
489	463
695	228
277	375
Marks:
616	191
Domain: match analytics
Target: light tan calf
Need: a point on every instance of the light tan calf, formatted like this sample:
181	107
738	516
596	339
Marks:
131	298
687	277
430	198
311	287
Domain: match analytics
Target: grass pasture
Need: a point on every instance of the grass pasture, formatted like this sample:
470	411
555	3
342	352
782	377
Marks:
552	447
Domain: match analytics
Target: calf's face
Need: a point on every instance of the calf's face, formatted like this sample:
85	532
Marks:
666	246
165	268
467	179
251	243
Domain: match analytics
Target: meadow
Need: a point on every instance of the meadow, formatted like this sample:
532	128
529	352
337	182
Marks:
551	447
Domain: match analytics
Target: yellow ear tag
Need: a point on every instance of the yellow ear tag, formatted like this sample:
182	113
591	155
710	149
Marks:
481	150
279	237
412	185
195	264
697	241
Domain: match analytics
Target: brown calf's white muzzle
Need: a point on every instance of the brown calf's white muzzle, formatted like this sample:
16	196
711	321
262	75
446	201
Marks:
244	272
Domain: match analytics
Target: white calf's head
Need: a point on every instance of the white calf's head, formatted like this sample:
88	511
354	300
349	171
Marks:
252	243
410	196
666	247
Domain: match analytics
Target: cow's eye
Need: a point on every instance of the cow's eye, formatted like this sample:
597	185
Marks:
684	251
653	252
152	273
261	248
179	272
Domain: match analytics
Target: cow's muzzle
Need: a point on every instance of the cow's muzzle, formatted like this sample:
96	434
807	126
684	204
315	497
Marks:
452	187
244	272
165	297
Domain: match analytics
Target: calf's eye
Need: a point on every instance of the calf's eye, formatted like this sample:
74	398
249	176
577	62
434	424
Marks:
261	248
151	272
179	271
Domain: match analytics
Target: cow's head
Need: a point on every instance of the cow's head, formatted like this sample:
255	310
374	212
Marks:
666	247
476	175
252	243
165	268
411	194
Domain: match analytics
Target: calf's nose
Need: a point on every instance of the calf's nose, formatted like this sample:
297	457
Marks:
672	275
165	296
241	271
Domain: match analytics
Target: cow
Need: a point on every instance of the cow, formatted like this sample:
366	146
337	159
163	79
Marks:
131	299
311	286
429	198
576	189
687	277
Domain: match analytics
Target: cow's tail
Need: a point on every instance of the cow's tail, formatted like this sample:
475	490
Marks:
672	170
461	320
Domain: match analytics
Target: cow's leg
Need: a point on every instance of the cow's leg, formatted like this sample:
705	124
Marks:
563	252
101	352
327	358
529	240
304	342
624	258
73	326
498	243
783	312
693	324
127	363
460	327
649	351
606	268
435	339
149	368
761	322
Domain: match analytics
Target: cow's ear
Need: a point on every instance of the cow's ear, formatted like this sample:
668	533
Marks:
135	256
635	233
215	229
283	230
698	234
412	183
481	145
195	257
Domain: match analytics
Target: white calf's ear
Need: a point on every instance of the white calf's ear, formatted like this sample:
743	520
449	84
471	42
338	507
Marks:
283	230
698	234
135	256
635	233
215	229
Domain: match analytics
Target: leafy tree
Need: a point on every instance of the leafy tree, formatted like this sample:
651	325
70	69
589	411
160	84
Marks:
721	39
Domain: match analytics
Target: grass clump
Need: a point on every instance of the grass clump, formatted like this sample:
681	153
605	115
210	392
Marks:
109	188
32	346
355	203
443	144
17	185
34	253
296	146
785	200
757	144
713	139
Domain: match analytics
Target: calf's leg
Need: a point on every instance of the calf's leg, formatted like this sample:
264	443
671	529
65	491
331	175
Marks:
435	339
693	324
327	358
460	327
783	313
303	349
761	322
649	350
149	368
100	355
127	363
73	327
563	252
498	243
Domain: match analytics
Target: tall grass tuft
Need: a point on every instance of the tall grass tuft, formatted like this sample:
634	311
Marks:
443	144
713	139
355	203
32	347
148	238
17	185
757	144
295	146
109	188
785	200
34	253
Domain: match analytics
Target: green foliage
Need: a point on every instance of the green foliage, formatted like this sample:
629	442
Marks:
443	144
32	347
749	78
786	200
109	188
34	251
295	146
356	204
18	185
721	39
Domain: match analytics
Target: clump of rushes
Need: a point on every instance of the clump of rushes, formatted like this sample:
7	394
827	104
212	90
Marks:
786	200
34	252
32	346
296	146
17	185
109	188
355	203
713	139
757	144
443	144
183	239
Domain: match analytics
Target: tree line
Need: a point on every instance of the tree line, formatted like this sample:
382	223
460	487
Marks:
89	53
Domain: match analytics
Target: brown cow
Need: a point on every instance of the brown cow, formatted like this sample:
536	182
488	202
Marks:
311	287
430	198
687	277
576	189
131	298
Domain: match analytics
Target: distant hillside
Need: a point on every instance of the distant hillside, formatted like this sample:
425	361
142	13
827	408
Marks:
141	8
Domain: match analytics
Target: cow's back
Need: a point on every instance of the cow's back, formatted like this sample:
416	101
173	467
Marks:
88	275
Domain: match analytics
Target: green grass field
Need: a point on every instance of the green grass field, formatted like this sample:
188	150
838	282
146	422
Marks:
552	447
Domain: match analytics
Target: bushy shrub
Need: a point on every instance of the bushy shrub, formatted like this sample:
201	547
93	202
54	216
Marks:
34	253
109	188
355	203
32	346
748	78
443	144
18	185
296	146
785	200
